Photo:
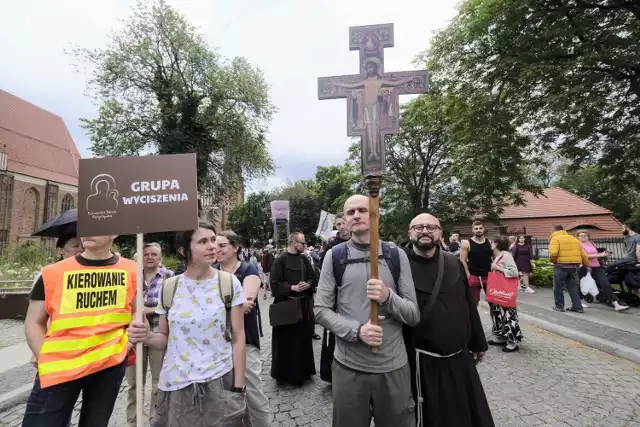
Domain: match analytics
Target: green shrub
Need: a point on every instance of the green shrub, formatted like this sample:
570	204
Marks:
23	262
171	262
542	273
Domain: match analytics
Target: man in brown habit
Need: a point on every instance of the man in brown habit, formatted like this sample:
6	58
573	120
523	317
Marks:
449	341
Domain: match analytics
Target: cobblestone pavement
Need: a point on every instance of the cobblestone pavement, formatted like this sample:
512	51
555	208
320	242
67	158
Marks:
11	332
551	381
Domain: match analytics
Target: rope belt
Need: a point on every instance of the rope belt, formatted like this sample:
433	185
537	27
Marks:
418	379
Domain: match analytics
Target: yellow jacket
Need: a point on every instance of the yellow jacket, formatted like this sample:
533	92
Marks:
566	249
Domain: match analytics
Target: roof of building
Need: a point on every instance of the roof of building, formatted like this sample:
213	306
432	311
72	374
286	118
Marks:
37	141
555	202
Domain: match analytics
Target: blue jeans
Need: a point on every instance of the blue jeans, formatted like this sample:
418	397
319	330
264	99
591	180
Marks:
53	406
565	277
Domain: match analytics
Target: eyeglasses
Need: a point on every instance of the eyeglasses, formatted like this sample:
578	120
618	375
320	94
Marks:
421	227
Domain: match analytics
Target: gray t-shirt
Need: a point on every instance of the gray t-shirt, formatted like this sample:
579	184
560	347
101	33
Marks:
632	242
353	310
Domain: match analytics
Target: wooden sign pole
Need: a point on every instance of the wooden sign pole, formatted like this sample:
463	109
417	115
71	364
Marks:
139	318
373	187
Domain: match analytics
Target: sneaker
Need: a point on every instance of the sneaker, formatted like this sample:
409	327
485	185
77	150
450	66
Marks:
575	310
529	290
619	307
584	305
558	309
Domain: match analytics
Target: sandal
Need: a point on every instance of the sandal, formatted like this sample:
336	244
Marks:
491	341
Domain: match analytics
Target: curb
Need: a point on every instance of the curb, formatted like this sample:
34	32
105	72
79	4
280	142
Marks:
606	346
15	397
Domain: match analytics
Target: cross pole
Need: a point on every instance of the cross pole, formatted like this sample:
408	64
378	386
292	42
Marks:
372	112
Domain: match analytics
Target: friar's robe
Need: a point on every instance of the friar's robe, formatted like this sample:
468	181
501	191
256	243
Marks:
450	388
292	345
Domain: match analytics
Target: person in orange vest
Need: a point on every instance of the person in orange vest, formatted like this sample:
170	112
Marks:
89	301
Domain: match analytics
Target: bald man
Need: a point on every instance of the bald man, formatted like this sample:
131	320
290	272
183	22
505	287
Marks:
365	383
449	340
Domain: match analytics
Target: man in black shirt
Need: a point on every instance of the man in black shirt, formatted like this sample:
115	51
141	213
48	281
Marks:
476	256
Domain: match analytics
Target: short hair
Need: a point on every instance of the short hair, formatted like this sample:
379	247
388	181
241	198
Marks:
502	243
233	239
183	240
558	227
293	235
583	231
476	223
152	245
339	215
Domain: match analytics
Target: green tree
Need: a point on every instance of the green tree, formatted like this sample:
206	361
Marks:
163	90
251	220
566	71
593	184
335	184
304	206
451	159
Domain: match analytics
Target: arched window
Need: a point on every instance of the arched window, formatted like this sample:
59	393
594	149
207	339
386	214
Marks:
67	203
30	214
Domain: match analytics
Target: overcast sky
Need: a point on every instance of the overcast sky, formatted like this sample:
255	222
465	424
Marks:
293	41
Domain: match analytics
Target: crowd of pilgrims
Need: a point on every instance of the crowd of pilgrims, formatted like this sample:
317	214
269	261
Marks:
415	366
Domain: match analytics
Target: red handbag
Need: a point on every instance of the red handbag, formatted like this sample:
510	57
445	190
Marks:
501	290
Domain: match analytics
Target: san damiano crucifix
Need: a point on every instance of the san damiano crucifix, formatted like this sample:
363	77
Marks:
372	111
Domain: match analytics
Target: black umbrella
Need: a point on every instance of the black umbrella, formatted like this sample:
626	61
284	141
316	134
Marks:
62	225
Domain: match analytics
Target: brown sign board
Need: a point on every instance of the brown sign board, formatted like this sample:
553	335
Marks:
138	194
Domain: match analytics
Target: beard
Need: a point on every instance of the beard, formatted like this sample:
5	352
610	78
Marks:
479	233
424	246
625	233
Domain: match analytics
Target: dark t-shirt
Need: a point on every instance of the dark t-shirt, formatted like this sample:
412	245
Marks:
252	321
37	292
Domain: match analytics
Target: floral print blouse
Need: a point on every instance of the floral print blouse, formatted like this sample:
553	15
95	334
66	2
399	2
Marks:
196	349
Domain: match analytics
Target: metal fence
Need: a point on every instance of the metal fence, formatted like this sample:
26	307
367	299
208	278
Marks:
616	247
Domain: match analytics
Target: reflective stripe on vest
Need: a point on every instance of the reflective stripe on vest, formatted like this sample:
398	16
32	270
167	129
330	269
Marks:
89	309
80	322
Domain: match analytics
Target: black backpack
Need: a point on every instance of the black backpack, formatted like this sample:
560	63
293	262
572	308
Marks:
340	258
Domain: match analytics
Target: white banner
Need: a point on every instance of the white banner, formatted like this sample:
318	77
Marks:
325	225
280	210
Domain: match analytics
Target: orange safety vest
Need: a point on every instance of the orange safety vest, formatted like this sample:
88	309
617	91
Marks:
89	308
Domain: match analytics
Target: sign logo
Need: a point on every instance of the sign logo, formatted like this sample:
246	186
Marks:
102	203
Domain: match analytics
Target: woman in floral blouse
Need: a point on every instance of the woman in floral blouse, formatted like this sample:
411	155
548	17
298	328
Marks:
202	376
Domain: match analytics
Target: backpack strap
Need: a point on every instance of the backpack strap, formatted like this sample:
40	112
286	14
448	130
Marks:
391	254
169	287
340	258
225	287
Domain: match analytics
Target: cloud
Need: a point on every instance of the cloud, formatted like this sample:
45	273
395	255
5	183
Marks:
294	42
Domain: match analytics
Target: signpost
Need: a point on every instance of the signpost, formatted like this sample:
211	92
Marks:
372	111
279	215
137	195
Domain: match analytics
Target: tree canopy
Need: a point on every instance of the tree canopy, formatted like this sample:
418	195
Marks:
162	90
566	71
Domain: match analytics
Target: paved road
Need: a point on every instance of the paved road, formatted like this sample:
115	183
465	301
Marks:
551	381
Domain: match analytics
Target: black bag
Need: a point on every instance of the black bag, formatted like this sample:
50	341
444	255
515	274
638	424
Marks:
286	312
326	355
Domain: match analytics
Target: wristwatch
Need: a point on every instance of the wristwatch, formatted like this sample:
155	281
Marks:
239	389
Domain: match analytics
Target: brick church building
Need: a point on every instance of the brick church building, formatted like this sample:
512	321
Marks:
38	168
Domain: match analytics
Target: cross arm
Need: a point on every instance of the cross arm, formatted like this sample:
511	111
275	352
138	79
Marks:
337	86
407	82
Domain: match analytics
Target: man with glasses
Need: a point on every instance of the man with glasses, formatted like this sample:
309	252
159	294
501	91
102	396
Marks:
445	346
292	276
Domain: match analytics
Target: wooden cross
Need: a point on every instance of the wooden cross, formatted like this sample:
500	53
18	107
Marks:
372	95
372	113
